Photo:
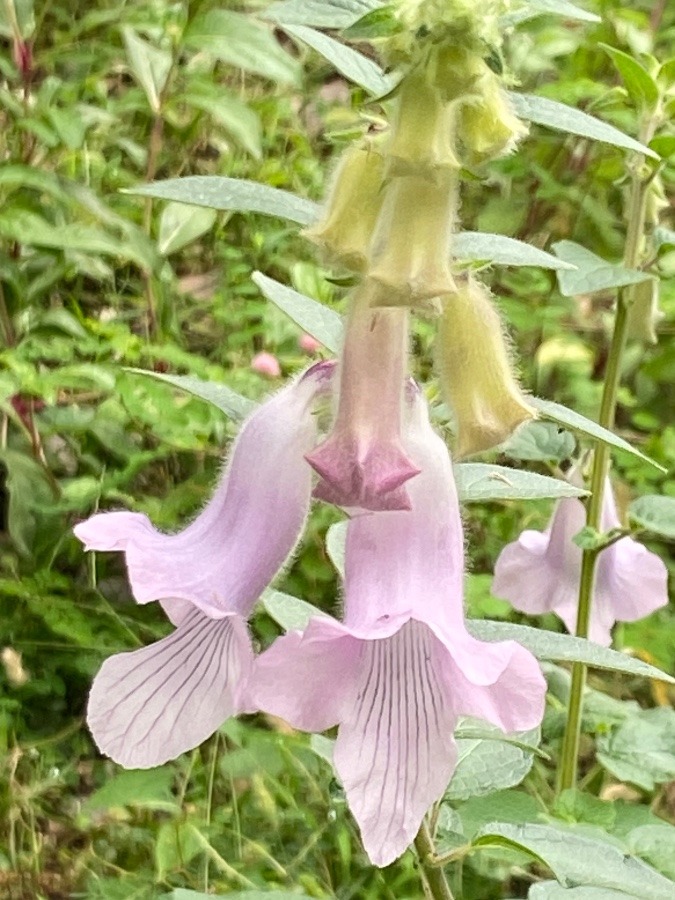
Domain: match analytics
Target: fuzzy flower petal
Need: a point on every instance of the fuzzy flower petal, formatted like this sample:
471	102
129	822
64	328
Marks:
402	668
150	705
228	555
540	572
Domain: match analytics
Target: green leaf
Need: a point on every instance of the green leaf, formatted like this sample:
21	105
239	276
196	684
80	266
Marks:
589	429
353	65
238	119
224	398
33	231
484	766
642	749
150	66
236	194
639	83
554	647
577	860
561	117
291	613
320	13
378	23
238	40
505	251
656	845
535	8
149	788
336	538
592	272
483	481
540	441
175	847
180	224
17	15
551	890
663	237
30	496
573	805
655	513
184	894
313	317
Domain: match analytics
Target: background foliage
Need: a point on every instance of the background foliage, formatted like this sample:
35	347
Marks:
97	98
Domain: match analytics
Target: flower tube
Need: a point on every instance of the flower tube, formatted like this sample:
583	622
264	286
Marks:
401	669
152	704
362	463
540	572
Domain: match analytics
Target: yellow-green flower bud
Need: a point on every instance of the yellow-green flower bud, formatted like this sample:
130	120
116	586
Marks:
475	371
344	233
423	131
644	314
410	259
487	125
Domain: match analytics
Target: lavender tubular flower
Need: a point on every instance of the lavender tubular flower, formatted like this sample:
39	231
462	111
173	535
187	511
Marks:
540	572
152	704
362	462
402	668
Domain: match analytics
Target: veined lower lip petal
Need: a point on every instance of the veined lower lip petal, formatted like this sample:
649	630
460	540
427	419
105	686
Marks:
149	706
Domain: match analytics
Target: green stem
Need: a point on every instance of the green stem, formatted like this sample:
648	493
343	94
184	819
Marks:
636	223
434	876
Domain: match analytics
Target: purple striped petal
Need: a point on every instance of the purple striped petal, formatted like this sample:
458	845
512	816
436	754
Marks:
229	554
151	705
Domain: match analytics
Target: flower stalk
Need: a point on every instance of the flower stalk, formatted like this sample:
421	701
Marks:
637	205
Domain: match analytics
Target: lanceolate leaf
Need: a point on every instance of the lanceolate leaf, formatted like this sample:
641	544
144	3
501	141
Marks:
570	419
228	401
590	272
484	481
150	65
237	39
313	317
577	860
561	117
235	194
349	62
534	8
639	83
320	13
553	647
291	612
506	251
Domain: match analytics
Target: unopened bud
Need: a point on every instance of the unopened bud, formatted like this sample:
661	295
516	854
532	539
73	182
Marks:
423	131
475	371
644	314
487	125
344	233
411	248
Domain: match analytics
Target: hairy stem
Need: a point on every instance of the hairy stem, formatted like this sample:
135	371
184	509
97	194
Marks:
434	876
636	223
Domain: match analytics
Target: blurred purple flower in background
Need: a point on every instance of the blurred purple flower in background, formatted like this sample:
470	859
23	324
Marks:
266	364
540	572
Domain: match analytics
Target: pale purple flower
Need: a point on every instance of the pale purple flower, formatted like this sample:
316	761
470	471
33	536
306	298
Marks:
267	364
152	704
402	668
362	463
540	572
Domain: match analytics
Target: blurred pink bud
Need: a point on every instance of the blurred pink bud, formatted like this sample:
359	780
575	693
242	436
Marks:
266	364
309	344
